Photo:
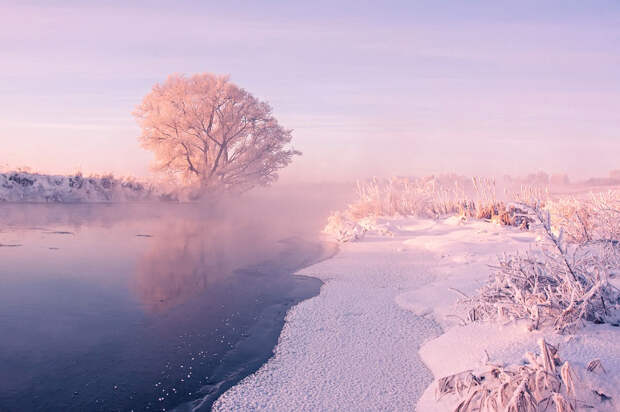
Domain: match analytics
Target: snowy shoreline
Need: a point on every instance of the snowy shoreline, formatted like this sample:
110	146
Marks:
385	326
26	187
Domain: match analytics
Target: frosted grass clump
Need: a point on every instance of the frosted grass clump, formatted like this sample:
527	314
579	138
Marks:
595	219
542	383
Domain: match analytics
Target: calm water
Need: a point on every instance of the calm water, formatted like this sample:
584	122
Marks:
144	307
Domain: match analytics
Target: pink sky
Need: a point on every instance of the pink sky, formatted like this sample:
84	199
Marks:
370	88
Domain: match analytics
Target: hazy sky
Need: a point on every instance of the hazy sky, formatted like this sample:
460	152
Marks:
370	88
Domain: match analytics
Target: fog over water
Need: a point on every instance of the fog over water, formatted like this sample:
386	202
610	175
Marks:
148	306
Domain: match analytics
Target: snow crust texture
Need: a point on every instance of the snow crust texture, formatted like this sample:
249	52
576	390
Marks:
350	348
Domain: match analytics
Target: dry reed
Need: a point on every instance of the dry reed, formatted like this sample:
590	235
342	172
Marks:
542	382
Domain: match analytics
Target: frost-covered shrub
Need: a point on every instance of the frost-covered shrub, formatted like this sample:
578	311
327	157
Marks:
20	179
563	284
594	219
513	216
574	217
343	228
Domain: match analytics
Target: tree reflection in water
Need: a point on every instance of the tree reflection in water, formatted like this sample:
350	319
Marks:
187	255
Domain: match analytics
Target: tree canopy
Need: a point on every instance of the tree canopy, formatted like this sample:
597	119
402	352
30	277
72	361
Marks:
206	130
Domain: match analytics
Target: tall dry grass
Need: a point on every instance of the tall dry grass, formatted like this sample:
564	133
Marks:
428	197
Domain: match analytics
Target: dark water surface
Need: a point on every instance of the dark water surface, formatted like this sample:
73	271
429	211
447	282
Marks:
144	307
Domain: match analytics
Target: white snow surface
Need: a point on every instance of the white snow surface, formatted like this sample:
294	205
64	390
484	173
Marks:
372	339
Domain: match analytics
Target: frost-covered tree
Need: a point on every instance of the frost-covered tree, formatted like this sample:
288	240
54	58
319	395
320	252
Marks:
208	131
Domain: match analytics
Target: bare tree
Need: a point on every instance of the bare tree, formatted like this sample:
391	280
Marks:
208	131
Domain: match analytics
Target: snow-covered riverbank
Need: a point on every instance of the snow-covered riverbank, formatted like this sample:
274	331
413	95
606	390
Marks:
351	347
43	188
373	340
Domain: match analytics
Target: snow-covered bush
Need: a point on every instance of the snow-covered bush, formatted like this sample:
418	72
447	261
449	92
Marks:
343	228
594	219
575	217
563	284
